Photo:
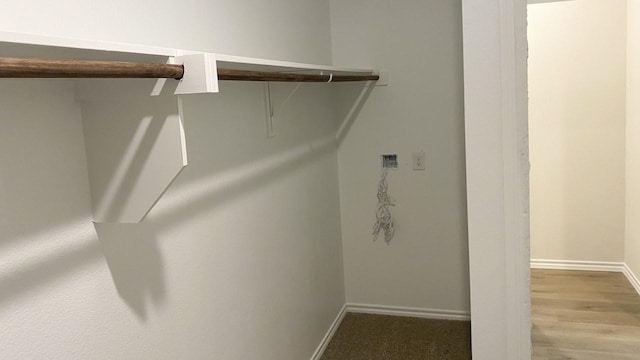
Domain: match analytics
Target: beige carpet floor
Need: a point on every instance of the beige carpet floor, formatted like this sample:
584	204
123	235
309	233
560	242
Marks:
381	337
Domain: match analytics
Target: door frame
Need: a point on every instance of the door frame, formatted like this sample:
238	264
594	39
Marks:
497	160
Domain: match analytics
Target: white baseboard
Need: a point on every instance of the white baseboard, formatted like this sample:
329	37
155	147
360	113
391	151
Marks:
464	315
386	310
406	311
327	337
633	279
588	266
577	265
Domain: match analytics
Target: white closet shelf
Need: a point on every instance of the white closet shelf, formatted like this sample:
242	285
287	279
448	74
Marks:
200	67
26	40
122	191
255	64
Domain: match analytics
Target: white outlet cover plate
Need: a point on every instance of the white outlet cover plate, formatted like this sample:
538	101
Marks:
419	160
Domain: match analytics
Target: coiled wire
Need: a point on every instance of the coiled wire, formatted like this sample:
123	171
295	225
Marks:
384	219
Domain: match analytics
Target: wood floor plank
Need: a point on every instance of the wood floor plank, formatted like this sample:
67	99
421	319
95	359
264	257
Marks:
584	315
552	327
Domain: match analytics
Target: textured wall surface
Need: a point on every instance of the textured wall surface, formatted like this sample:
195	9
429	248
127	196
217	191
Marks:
242	258
255	28
420	44
577	129
245	247
632	226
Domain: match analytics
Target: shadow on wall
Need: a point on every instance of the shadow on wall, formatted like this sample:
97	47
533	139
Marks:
41	150
134	149
44	183
135	262
33	271
220	188
112	205
207	184
131	250
357	95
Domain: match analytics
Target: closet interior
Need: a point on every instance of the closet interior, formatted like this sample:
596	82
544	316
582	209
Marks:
164	203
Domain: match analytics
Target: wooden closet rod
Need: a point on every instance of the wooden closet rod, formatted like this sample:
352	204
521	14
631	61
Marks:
40	68
244	75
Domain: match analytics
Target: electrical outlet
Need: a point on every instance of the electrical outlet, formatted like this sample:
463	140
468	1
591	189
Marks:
418	160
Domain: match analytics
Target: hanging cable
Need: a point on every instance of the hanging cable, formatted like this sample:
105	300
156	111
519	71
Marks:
384	220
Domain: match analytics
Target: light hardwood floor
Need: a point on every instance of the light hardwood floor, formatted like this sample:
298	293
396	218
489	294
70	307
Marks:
584	315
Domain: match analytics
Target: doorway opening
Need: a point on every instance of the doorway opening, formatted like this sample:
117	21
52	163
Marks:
583	301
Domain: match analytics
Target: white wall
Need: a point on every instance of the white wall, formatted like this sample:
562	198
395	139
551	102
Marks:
242	257
632	235
420	44
577	56
275	29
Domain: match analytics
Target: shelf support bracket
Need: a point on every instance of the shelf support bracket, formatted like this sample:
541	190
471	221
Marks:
200	74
